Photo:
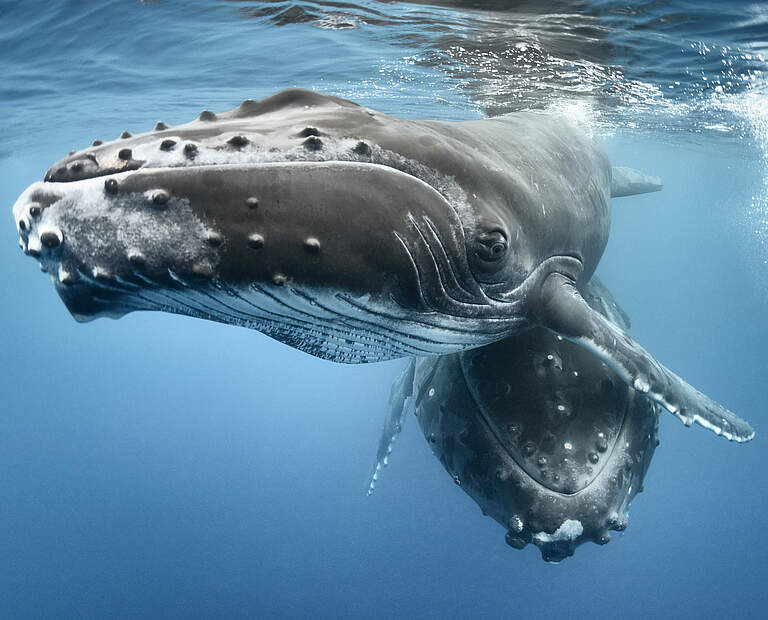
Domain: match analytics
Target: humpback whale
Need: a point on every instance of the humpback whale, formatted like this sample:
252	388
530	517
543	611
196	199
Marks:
540	433
350	234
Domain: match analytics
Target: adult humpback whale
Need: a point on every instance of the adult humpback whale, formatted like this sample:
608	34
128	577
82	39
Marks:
350	234
540	433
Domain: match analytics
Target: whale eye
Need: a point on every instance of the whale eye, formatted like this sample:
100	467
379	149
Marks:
491	246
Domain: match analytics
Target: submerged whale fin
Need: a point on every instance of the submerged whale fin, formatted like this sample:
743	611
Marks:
564	311
400	402
597	295
628	182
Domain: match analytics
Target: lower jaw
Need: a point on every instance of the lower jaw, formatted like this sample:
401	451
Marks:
323	325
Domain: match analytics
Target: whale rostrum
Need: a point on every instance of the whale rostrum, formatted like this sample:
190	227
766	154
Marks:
350	234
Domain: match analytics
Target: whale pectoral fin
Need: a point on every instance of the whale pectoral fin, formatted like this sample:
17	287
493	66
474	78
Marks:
629	182
400	402
597	295
563	310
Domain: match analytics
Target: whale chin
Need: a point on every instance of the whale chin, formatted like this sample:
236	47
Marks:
86	305
105	314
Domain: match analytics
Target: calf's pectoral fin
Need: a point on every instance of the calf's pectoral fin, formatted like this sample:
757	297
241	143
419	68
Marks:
400	402
562	309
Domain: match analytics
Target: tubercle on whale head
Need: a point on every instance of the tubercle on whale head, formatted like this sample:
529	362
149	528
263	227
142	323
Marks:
86	165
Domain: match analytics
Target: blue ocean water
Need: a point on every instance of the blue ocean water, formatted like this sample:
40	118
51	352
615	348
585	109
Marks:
159	466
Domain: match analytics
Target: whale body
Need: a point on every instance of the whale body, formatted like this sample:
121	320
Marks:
350	234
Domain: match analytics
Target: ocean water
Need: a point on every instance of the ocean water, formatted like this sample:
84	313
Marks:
165	467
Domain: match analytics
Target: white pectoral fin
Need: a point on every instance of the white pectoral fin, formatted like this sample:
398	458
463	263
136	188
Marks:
400	402
564	311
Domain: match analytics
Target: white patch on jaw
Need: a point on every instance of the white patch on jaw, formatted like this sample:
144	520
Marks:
570	529
101	230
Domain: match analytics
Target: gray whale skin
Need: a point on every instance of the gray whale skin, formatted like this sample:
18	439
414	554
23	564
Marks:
350	234
357	237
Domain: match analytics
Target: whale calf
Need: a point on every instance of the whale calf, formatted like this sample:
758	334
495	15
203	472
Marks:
350	234
540	433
